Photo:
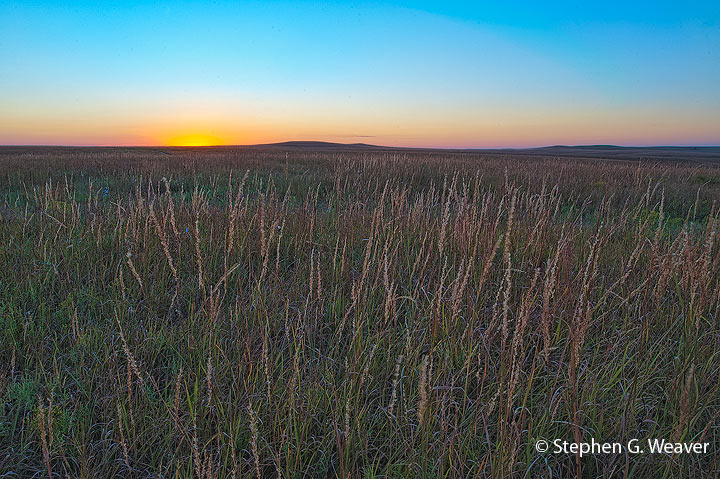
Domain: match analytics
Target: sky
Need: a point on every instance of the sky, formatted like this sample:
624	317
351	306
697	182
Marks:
422	74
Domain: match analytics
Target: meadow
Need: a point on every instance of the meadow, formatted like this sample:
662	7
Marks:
295	313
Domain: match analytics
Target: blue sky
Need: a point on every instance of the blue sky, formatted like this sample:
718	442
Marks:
455	74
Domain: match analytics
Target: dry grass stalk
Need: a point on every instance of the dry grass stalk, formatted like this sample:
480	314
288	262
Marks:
45	425
423	390
123	442
254	439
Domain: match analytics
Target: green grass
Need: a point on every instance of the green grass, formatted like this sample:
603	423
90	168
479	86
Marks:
353	314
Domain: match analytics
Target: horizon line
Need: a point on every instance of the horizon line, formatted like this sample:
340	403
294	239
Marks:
300	143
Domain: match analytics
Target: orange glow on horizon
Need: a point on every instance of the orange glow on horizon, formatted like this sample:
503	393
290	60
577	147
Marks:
195	139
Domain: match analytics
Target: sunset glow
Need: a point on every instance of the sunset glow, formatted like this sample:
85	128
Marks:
429	74
194	140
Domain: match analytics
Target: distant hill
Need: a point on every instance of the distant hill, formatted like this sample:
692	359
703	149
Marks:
613	152
318	145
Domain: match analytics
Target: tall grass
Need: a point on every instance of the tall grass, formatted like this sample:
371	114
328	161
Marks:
241	313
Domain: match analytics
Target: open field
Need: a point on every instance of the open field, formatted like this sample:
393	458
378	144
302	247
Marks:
317	313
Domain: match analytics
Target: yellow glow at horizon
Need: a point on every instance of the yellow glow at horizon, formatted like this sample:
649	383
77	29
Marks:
195	139
466	127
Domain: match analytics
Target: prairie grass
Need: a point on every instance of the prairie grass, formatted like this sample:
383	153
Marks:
241	313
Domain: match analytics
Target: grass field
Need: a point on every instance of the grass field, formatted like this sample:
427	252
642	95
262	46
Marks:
295	313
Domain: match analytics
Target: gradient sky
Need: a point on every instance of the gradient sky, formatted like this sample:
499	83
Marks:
441	74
